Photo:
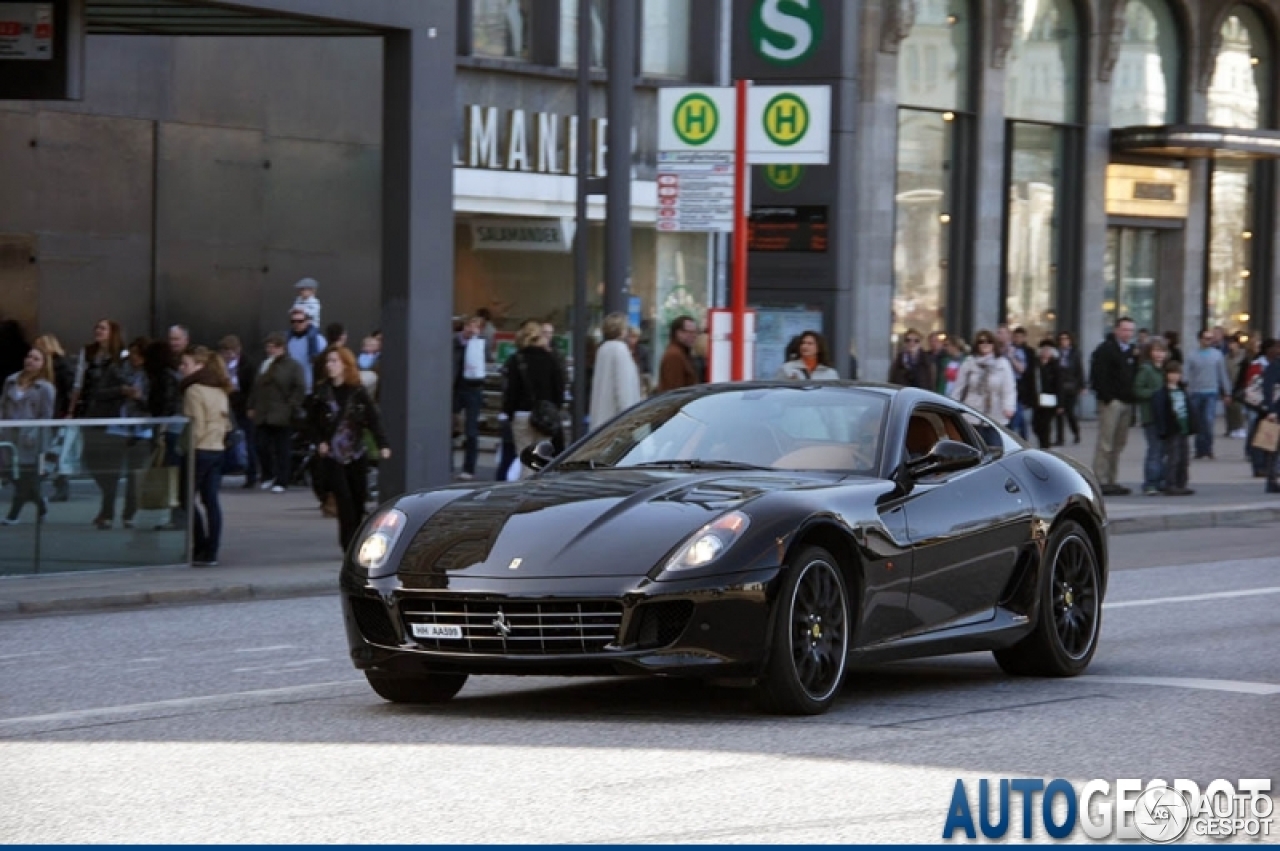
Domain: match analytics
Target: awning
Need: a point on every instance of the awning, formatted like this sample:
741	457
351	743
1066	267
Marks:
1195	141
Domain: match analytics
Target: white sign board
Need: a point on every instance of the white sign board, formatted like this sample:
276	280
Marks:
695	191
696	119
552	235
26	30
785	124
788	125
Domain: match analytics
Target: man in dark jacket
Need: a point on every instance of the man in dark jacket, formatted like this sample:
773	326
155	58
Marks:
677	368
278	392
1070	383
1112	372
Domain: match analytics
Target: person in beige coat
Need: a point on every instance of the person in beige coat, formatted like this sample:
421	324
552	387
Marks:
986	384
616	381
206	401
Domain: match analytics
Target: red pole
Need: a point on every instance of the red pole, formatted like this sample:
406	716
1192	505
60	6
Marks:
739	296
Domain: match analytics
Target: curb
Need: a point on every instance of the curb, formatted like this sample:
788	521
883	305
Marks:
172	597
1192	520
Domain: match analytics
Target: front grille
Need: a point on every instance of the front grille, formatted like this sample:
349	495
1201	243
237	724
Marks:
659	624
373	621
516	628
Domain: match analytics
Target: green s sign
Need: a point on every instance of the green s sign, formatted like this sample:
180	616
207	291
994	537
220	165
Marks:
786	32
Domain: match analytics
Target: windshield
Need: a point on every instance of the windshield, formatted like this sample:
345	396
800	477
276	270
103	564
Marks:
783	428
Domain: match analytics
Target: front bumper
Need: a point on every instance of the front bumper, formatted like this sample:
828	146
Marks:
711	626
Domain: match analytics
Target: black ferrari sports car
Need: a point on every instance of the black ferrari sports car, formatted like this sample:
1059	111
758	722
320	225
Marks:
766	533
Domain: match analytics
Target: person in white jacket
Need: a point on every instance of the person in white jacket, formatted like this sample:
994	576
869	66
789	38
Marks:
986	383
616	381
809	361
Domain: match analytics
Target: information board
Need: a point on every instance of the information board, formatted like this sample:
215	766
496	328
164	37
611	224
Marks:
26	30
788	229
775	327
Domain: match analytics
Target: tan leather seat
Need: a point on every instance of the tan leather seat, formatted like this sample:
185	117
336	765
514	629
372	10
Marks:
921	437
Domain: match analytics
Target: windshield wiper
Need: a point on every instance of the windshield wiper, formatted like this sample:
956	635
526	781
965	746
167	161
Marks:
701	464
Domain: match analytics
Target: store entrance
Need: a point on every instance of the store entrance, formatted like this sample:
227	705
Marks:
1132	272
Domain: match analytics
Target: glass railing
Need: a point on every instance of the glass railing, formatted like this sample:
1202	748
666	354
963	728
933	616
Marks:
94	494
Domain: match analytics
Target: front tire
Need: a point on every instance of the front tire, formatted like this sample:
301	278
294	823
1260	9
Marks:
421	690
809	646
1065	636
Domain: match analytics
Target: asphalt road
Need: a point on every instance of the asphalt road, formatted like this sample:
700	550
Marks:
242	722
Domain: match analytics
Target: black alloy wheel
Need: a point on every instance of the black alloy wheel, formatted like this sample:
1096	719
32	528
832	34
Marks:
1065	636
810	641
422	689
1074	592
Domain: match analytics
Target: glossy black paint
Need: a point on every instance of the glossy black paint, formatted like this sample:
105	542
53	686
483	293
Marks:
943	563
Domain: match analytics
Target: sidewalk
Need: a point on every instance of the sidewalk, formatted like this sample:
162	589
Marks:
279	545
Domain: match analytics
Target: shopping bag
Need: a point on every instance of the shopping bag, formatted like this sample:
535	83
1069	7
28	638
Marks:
1267	438
1048	400
235	455
157	484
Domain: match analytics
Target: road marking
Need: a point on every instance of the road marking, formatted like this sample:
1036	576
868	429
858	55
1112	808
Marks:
270	649
301	663
1192	598
8	657
176	703
1235	686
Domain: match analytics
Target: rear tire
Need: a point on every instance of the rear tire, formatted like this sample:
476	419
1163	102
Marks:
424	689
809	641
1069	620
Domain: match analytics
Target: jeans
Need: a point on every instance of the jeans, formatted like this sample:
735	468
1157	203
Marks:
1068	416
1153	464
1018	424
1175	461
274	453
27	489
208	529
349	484
1204	409
469	400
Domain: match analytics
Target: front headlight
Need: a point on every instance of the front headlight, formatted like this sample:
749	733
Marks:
379	540
709	543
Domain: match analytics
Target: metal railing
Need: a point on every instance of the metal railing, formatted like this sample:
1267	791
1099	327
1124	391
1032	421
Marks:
94	494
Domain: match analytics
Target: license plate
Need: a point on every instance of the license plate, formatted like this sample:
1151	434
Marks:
436	630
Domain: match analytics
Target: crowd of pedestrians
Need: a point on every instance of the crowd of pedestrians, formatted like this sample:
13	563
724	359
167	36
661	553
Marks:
308	397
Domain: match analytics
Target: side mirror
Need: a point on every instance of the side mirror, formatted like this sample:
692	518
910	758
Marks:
535	456
946	456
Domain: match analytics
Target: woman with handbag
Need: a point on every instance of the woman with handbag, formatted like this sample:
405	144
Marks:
1047	383
27	395
534	391
101	391
339	412
206	390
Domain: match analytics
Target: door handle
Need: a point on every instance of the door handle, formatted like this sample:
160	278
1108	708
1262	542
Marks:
1011	486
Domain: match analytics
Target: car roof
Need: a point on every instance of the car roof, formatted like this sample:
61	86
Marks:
887	390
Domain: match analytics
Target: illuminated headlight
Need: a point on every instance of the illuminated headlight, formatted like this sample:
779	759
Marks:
709	543
379	539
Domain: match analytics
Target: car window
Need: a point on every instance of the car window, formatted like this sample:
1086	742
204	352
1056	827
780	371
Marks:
927	426
786	428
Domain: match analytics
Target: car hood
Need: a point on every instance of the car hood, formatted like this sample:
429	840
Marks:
589	523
